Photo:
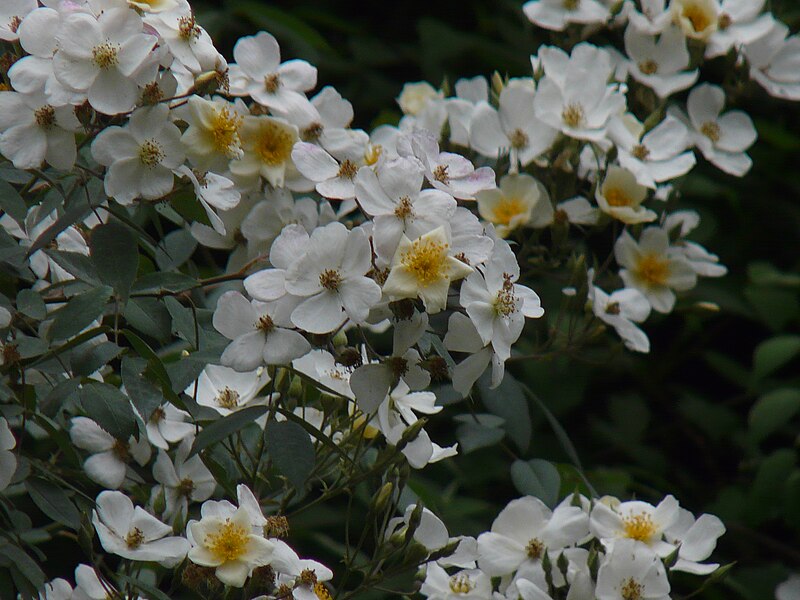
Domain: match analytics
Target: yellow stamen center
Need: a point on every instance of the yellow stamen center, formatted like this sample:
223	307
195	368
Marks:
185	487
274	145
404	208
348	169
653	269
440	174
265	323
188	28
711	130
426	260
639	527
151	153
648	67
573	115
617	197
45	116
697	16
640	151
321	591
105	55
134	539
312	132
534	549
225	131
228	398
228	543
461	584
330	279
519	139
631	590
506	209
272	82
372	154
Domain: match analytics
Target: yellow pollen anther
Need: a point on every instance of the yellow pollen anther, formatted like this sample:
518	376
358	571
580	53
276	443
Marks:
188	28
653	269
225	131
534	549
519	139
426	260
648	67
640	151
105	55
228	543
631	590
639	527
440	174
573	115
151	153
711	130
274	144
617	197
330	279
461	584
45	116
348	169
725	21
505	304
321	591
272	82
228	398
373	154
134	539
404	208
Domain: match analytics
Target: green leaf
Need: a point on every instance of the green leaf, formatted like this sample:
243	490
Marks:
150	591
145	395
537	478
23	564
148	316
291	451
77	211
772	411
771	355
508	401
115	255
769	484
88	358
226	426
76	264
158	282
183	320
110	408
53	502
175	249
79	313
12	203
30	304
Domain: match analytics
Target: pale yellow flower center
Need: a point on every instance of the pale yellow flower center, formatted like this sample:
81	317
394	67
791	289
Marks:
461	584
648	67
506	209
519	139
639	527
697	16
653	269
640	151
274	144
404	208
372	154
440	174
348	169
617	197
272	82
330	279
188	28
426	260
228	543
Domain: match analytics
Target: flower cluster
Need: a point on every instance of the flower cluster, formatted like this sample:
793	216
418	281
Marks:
368	277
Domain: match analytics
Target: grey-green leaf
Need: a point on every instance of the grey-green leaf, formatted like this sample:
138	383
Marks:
53	502
110	408
537	478
291	450
79	313
115	255
219	430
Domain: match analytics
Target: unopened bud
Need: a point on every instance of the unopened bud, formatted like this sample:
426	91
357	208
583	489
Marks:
340	339
497	83
207	83
410	434
296	387
160	502
382	497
